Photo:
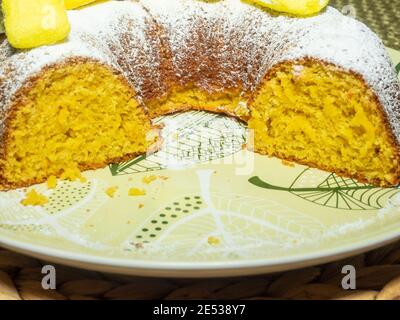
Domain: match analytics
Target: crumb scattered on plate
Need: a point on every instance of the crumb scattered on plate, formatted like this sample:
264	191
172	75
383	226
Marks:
288	163
52	182
34	198
73	175
135	192
213	241
111	191
149	179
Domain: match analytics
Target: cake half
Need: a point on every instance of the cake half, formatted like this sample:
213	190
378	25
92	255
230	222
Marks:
77	105
319	115
78	115
320	91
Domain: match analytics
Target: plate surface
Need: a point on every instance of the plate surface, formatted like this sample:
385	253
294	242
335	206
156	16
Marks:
210	209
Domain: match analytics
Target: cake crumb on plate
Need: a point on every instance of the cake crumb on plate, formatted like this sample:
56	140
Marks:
111	191
52	182
73	174
213	241
149	179
33	198
135	192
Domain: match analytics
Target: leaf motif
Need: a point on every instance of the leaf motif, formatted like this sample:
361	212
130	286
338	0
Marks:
137	165
337	192
241	223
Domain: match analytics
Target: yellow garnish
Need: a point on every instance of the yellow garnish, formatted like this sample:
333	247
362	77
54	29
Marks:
296	7
33	198
73	174
34	23
52	182
149	179
111	191
134	192
213	241
72	4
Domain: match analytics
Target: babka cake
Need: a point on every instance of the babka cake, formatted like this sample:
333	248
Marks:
318	90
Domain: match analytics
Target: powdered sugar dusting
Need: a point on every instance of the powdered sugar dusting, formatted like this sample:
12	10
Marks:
226	44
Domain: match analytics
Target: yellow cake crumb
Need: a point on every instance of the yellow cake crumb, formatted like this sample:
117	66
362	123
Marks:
33	198
141	205
73	174
213	241
52	182
135	192
149	179
111	191
163	178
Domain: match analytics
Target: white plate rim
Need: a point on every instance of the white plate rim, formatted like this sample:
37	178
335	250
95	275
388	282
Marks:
197	269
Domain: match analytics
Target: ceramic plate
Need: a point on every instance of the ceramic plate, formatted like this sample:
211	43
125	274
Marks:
210	208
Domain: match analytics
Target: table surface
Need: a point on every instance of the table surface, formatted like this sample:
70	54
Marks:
378	272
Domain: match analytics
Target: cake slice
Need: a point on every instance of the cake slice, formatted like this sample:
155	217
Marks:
76	105
78	115
319	115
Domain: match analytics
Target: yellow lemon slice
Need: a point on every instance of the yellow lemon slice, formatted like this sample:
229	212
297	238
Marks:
73	4
35	23
296	7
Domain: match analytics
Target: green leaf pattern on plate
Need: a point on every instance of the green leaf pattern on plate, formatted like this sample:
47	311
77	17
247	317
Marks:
336	192
192	138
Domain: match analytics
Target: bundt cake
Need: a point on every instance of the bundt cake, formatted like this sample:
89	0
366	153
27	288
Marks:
319	90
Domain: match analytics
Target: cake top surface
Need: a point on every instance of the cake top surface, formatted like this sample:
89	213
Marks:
234	42
214	45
